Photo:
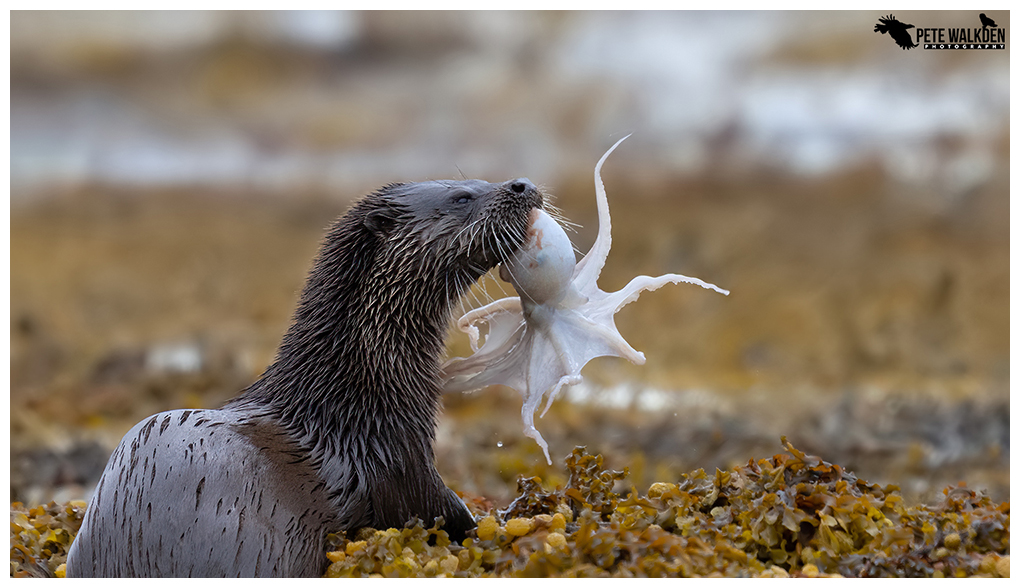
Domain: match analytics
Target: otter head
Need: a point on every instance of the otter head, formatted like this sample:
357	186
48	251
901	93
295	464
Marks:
451	230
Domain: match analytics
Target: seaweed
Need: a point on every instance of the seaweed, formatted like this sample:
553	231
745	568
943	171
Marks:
789	515
41	537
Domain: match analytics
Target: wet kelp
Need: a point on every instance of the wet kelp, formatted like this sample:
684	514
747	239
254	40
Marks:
789	515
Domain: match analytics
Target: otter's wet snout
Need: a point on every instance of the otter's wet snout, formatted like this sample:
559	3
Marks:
527	188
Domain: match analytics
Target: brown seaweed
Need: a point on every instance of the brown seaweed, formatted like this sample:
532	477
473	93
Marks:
789	515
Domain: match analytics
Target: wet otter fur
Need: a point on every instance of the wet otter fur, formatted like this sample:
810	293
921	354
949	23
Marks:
338	433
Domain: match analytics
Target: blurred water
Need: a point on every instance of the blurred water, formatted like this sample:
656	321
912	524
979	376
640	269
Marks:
494	95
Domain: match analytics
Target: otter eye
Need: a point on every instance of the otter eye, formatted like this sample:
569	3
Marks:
462	198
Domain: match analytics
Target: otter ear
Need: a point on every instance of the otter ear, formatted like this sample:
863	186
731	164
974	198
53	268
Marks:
380	221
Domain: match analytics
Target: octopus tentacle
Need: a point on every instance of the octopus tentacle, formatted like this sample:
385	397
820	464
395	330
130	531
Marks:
590	266
485	313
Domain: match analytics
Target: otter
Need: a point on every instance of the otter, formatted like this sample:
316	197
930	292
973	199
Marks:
337	434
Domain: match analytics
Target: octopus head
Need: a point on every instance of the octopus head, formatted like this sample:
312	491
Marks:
541	270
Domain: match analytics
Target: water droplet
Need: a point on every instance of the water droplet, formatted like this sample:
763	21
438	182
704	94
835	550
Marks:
499	443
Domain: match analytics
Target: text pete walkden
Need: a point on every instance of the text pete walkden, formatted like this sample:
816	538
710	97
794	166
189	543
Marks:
961	38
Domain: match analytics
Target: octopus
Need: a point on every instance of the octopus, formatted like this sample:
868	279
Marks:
538	342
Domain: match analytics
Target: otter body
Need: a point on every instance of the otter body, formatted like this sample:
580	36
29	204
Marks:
205	493
338	433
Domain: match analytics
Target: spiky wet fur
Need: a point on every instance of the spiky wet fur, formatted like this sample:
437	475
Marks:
356	380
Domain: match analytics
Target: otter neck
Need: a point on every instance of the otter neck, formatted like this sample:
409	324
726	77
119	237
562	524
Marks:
356	378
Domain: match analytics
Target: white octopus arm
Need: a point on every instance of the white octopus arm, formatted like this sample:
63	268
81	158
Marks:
632	290
468	321
499	360
590	266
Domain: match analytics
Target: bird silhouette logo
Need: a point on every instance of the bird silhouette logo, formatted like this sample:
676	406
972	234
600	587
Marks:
987	22
898	31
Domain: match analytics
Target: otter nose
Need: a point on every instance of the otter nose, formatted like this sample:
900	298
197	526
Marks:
521	185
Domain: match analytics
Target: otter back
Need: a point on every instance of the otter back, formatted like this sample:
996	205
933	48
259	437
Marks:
204	493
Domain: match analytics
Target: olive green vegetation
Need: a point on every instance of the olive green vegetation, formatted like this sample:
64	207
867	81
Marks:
789	515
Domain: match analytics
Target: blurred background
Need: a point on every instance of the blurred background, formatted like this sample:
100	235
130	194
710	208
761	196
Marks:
172	174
